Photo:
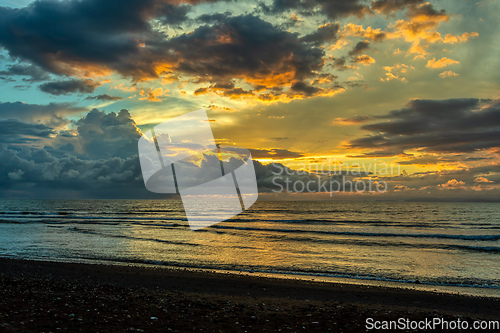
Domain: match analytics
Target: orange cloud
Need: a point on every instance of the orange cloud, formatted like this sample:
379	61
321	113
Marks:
364	59
295	18
338	45
482	180
452	39
447	74
218	108
288	96
453	183
352	29
323	79
273	79
443	62
395	72
132	88
153	95
420	29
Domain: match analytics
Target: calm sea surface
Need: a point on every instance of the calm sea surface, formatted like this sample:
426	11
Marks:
435	244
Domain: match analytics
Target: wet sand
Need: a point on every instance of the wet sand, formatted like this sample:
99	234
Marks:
50	297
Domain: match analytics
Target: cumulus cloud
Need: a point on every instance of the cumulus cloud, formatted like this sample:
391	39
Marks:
452	183
95	158
446	74
34	172
104	135
443	62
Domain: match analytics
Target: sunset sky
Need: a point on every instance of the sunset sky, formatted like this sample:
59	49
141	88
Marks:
300	82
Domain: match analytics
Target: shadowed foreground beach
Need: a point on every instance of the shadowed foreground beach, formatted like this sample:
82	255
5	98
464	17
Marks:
48	297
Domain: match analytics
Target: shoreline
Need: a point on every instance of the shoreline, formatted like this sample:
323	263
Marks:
37	295
452	289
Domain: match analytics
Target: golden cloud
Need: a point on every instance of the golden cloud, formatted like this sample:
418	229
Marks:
448	74
443	62
395	72
364	59
352	29
452	39
153	95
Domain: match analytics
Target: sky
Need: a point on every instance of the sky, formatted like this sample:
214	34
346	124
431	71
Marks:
403	85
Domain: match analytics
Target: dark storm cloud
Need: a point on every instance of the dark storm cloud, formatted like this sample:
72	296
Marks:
325	33
61	35
31	73
304	88
98	158
104	97
16	131
274	177
94	37
359	48
69	86
390	6
41	173
455	125
173	14
331	8
340	64
424	116
52	115
244	46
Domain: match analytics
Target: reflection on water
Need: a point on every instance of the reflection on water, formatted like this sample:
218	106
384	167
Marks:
434	243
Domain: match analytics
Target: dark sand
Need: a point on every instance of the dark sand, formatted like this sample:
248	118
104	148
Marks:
50	297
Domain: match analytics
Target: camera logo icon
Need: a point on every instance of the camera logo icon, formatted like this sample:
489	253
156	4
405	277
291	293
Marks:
215	182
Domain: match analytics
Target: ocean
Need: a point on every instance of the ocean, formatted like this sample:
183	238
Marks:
452	247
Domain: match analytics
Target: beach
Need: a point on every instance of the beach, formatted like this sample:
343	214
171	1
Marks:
39	296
